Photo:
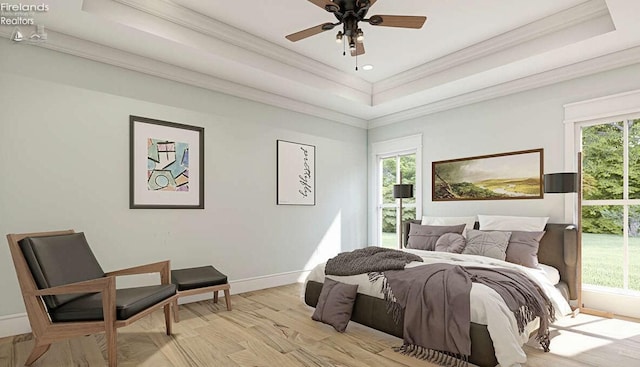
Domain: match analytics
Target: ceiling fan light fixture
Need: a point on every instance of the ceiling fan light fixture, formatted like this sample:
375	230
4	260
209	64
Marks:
339	37
359	35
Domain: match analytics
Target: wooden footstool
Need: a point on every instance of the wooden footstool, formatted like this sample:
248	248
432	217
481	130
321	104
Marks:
199	280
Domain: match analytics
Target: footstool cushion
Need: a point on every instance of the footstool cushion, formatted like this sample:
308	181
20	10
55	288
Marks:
203	279
200	277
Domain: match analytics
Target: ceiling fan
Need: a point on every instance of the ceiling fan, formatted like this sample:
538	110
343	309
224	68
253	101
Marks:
349	13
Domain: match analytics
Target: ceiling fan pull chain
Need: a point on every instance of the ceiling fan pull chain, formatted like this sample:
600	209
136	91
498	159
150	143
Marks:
344	49
356	61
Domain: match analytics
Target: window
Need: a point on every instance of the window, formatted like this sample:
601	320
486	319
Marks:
400	168
611	206
392	162
611	201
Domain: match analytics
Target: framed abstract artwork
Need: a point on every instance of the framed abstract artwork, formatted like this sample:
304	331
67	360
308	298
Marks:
296	166
166	167
504	176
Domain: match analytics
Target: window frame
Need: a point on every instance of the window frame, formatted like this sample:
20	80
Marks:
404	145
618	107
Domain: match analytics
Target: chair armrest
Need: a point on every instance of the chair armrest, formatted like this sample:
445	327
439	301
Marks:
105	284
162	267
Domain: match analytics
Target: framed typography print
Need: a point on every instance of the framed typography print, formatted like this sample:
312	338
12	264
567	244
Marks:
166	167
296	173
512	175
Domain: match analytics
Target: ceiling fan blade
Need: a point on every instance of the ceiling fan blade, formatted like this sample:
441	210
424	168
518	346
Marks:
327	5
293	37
359	49
401	21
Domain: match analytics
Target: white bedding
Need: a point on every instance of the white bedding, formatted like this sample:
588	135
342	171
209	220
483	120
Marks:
487	307
552	273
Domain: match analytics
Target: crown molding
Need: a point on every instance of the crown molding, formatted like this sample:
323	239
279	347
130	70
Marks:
612	106
64	43
599	64
200	23
551	24
74	46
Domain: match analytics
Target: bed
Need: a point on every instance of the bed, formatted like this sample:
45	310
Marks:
558	249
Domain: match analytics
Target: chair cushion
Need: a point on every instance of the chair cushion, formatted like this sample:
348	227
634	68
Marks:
129	301
192	278
60	260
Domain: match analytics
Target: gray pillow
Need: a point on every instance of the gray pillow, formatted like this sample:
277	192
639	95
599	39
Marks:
487	243
425	237
451	242
335	304
523	248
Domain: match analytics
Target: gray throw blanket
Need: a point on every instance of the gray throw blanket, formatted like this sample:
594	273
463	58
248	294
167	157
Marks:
435	299
368	259
523	297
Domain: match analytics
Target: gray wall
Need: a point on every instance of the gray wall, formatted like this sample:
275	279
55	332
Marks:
64	144
527	120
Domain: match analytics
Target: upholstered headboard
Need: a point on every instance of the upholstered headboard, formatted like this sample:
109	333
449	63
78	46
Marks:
558	248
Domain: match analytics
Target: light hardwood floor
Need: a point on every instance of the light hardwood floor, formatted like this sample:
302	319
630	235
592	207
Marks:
273	328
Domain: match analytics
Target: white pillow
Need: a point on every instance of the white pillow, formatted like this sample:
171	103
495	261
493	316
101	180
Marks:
450	221
511	223
552	273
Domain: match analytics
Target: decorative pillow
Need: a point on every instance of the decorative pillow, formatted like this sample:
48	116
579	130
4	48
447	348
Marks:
450	242
490	244
523	248
335	304
425	237
449	221
511	223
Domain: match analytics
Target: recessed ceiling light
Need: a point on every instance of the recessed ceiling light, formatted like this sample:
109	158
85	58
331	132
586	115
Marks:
367	67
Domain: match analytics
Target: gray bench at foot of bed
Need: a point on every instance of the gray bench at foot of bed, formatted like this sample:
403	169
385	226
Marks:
372	312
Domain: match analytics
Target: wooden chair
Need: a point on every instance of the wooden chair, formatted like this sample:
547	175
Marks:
66	293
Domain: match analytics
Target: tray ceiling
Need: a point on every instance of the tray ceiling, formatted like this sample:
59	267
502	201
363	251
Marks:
466	52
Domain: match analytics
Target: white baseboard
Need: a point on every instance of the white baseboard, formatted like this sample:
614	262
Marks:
19	323
14	325
253	284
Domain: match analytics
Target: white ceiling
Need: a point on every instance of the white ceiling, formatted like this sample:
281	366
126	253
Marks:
468	51
452	25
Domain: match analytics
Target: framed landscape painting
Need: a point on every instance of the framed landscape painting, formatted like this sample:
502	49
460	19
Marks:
513	175
296	173
166	168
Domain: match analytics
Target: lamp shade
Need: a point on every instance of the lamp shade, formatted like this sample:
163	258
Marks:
561	183
402	191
